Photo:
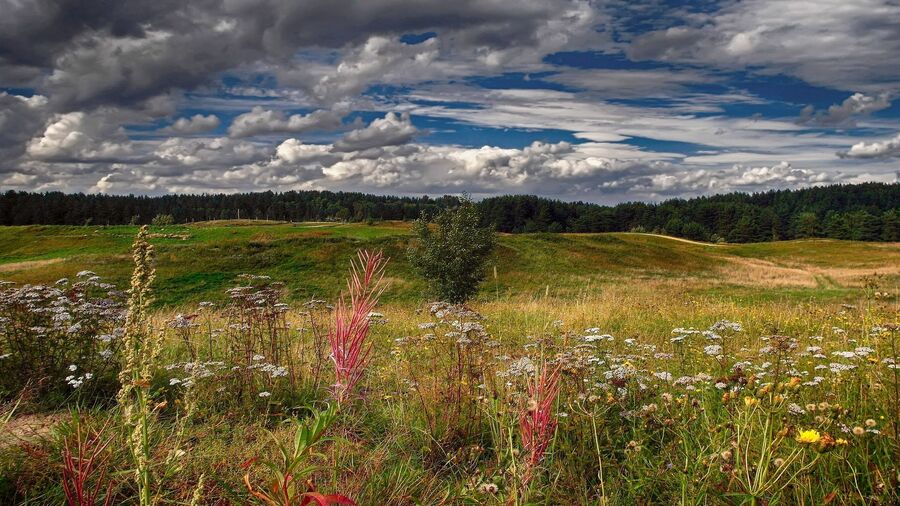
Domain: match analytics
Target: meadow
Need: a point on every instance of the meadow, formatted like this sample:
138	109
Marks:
591	369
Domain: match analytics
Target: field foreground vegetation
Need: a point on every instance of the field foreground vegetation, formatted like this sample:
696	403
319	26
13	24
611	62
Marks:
592	369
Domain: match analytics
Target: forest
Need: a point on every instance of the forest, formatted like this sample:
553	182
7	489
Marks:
864	212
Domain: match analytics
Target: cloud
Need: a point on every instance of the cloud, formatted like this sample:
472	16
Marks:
215	152
883	149
20	119
293	151
380	59
195	124
844	114
267	121
830	42
106	76
779	175
94	53
99	69
616	83
559	169
664	44
79	137
391	130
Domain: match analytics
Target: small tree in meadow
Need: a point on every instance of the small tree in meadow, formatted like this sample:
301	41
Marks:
163	220
453	256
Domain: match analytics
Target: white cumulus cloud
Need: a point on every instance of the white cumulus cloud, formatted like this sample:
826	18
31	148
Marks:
391	130
879	149
195	124
267	121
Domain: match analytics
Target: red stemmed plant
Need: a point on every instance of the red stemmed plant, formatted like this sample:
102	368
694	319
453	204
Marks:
289	482
537	422
350	349
85	466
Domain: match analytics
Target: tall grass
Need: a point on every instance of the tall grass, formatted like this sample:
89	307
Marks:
141	349
638	393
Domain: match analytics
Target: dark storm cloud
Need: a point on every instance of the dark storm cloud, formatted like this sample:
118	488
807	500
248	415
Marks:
34	32
20	119
106	52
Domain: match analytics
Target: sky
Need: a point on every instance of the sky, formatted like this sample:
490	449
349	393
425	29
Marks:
601	101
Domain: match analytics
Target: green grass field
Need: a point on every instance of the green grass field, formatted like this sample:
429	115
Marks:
787	393
198	262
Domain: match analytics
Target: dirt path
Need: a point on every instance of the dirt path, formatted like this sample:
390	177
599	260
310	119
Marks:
27	428
679	239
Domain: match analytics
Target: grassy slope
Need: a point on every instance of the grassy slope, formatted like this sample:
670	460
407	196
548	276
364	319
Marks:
198	262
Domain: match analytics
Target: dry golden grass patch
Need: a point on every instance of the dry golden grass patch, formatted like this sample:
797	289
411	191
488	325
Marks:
27	265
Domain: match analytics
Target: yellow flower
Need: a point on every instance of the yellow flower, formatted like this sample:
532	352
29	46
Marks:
841	442
750	401
810	436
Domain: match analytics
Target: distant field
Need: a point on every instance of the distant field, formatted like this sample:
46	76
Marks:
199	261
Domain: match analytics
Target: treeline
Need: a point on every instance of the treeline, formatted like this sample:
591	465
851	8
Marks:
866	212
56	208
861	212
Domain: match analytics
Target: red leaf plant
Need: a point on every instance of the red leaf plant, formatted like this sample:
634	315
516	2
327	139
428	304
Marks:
309	498
350	349
537	422
86	460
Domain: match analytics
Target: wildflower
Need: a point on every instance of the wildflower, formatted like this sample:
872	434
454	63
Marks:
750	401
871	423
665	376
632	447
841	442
488	488
520	367
713	350
73	367
826	443
795	409
265	394
810	436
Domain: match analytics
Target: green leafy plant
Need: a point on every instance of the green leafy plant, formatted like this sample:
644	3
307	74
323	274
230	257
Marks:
288	481
453	256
